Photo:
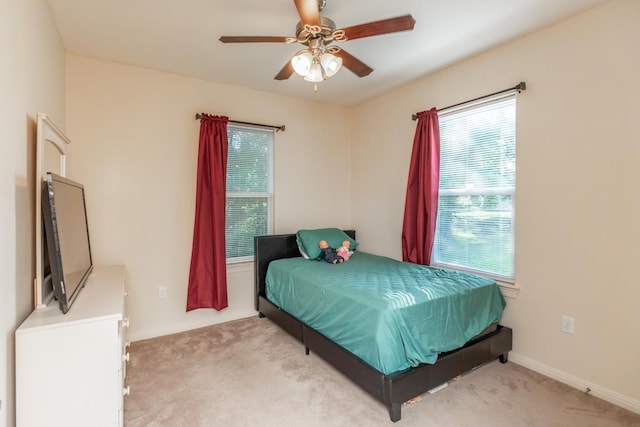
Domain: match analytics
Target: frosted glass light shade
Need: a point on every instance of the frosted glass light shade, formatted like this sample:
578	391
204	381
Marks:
315	73
302	63
330	63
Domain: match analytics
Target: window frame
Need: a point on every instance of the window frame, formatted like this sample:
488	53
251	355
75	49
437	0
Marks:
269	195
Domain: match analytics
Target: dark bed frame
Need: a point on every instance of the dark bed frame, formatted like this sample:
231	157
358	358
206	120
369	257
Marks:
394	389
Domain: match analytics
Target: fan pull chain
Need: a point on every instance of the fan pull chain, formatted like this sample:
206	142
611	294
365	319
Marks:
315	87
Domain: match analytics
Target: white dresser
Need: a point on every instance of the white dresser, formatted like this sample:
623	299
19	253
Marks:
70	368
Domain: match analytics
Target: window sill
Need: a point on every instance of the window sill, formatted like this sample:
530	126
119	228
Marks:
240	267
509	290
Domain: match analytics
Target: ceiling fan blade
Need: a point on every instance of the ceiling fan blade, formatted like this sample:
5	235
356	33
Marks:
384	26
308	11
254	39
358	67
286	72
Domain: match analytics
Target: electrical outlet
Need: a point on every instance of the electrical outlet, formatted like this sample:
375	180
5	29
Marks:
568	325
162	292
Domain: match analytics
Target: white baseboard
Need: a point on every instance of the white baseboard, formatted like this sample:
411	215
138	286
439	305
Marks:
603	393
184	327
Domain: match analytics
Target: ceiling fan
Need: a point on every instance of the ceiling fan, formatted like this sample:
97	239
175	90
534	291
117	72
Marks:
320	59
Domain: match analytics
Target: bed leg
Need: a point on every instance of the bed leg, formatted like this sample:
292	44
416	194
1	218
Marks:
260	315
395	412
306	350
504	358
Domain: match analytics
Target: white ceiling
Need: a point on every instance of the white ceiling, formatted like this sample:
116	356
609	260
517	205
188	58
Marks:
182	37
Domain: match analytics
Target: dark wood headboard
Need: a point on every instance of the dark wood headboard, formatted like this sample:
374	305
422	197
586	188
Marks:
269	248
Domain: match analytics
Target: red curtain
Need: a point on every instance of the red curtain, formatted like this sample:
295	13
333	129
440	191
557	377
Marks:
421	205
208	273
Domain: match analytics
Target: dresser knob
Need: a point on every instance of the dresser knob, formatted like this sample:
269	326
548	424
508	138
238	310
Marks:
126	391
125	357
125	322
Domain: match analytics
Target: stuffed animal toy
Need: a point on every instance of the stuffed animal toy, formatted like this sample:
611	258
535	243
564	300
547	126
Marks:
343	251
329	253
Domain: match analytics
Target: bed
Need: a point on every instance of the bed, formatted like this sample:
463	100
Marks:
392	381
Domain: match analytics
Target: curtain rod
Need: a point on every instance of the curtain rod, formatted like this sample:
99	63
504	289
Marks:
277	128
519	87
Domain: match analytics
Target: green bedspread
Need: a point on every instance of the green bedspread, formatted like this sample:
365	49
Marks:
393	315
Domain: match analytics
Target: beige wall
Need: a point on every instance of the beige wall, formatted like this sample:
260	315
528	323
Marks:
577	205
134	147
32	81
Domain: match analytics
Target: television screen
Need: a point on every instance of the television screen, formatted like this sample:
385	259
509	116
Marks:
67	237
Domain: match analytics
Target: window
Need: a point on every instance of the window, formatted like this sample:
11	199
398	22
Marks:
249	210
475	222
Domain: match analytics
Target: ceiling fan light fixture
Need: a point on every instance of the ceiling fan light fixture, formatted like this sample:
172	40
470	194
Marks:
316	73
302	62
330	63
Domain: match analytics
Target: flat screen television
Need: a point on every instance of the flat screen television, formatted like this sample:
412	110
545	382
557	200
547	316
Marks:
64	214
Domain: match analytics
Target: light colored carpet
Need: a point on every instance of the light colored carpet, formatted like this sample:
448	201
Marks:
251	373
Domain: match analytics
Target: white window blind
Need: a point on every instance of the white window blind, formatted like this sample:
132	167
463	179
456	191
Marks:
475	222
249	209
